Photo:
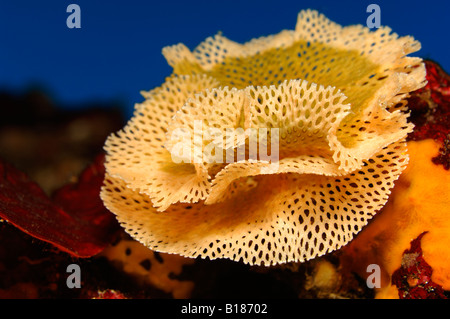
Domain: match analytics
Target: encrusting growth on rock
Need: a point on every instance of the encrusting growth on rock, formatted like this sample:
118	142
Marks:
419	203
417	212
325	99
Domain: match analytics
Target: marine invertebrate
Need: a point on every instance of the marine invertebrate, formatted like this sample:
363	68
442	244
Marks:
419	203
150	267
332	94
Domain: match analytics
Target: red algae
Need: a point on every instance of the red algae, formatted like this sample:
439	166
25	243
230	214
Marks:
430	111
413	278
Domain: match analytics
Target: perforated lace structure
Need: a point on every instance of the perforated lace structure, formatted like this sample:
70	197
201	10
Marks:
186	176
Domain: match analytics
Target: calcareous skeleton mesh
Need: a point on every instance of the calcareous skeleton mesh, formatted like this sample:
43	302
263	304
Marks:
327	100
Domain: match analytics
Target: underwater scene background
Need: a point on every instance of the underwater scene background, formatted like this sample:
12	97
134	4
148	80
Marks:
70	76
117	51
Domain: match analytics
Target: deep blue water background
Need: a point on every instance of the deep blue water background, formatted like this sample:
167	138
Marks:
117	51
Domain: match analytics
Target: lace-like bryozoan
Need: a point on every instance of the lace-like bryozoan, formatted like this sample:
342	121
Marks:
336	97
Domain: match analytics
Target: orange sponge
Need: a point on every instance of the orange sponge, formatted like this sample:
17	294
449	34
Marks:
419	202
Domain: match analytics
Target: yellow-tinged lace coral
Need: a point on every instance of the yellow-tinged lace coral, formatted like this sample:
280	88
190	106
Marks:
185	176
